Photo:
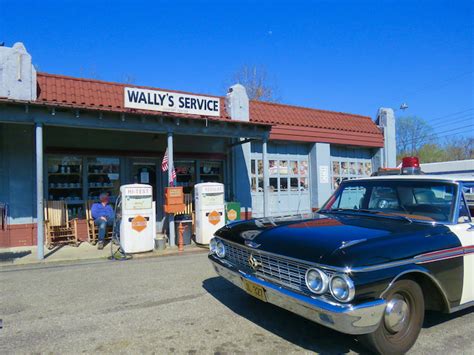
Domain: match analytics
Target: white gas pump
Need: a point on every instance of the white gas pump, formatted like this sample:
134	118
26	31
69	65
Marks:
210	210
138	226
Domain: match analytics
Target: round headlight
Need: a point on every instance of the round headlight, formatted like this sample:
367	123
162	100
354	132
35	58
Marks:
213	245
317	281
342	288
220	249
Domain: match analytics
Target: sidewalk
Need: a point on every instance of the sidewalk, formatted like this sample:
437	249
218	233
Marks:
85	251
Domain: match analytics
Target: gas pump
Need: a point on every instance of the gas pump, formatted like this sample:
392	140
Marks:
138	226
210	209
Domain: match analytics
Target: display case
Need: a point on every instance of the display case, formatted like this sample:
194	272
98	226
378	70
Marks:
103	175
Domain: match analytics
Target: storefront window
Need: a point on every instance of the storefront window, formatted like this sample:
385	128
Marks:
65	182
65	178
211	171
346	170
185	175
103	175
284	175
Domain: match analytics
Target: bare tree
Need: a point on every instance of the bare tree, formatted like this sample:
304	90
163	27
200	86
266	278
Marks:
412	133
257	83
459	148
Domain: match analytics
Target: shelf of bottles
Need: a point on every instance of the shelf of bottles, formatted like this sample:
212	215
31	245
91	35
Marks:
65	183
103	175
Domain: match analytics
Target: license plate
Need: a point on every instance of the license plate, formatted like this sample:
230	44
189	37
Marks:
254	290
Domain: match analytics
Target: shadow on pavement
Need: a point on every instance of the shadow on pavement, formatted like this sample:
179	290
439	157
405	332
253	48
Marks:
10	256
289	326
433	318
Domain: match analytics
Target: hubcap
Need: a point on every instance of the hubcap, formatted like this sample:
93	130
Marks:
396	314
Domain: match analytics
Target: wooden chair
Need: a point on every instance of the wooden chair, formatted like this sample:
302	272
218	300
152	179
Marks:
59	229
92	229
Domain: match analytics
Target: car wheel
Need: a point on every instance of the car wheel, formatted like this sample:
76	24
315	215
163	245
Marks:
402	320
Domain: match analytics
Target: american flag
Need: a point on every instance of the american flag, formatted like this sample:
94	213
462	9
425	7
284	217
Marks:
164	167
164	163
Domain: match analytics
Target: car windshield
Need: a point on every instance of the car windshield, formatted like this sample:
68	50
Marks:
409	199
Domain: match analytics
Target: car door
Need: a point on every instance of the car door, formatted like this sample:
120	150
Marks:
464	230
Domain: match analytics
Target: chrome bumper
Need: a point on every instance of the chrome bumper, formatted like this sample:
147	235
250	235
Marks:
346	318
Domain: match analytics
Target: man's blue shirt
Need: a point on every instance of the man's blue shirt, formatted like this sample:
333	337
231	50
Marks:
99	210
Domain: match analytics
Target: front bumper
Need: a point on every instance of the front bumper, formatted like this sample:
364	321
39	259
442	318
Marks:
346	318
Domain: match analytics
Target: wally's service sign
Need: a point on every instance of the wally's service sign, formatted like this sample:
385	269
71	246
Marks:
165	101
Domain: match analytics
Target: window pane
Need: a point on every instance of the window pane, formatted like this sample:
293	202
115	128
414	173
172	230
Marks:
273	184
344	168
65	178
304	168
360	168
294	184
303	184
254	184
260	167
283	167
284	184
294	167
352	168
335	168
211	171
272	164
260	184
185	173
252	166
103	176
368	168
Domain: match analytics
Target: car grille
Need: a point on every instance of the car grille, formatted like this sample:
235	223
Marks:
285	272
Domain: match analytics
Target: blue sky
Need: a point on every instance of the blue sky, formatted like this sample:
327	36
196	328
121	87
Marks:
350	56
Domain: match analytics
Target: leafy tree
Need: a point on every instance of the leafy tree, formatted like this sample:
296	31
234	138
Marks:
431	152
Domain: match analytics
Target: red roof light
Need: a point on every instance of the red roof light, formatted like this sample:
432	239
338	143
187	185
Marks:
410	162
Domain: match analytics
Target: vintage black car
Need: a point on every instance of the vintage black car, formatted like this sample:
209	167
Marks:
379	253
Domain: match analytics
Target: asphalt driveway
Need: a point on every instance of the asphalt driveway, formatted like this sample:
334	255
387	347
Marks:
170	304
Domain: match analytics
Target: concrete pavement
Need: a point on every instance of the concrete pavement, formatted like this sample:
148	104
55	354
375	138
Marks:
85	251
173	304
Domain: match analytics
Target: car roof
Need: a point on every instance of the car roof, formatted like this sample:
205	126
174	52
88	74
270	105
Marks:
447	178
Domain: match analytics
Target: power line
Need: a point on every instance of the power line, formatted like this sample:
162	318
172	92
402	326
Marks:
451	114
458	120
438	134
444	83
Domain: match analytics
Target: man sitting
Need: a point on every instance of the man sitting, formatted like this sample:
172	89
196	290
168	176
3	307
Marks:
103	215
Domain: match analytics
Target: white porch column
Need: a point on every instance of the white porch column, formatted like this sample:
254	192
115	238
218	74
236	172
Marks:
39	191
266	191
170	169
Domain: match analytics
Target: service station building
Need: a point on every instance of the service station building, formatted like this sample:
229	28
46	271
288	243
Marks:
67	138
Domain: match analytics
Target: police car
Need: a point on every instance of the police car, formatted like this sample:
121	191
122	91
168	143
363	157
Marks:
380	252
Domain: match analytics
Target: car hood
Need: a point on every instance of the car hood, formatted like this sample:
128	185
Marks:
338	239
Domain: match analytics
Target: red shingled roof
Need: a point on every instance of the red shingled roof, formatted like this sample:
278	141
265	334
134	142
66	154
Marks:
288	122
